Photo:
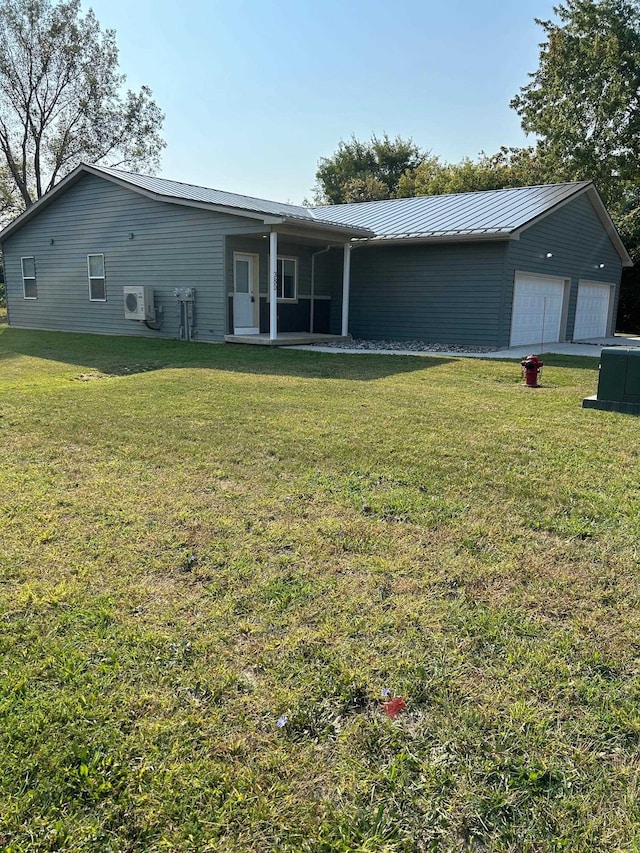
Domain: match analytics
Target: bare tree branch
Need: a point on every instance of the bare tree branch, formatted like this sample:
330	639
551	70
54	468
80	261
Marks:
62	98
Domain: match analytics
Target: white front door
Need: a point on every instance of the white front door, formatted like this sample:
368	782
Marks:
246	299
592	311
538	303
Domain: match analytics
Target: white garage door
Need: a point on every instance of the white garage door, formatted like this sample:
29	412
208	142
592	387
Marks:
537	310
592	311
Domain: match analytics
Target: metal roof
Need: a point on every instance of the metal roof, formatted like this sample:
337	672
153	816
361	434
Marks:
270	212
487	213
492	214
220	198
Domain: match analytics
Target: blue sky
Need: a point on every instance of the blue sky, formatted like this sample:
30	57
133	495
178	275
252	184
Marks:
256	91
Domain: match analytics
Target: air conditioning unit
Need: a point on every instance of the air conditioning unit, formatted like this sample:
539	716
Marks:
138	303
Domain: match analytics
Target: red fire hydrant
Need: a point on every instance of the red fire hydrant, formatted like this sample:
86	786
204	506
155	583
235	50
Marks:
531	367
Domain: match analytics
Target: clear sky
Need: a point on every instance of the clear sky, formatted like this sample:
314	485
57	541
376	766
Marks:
256	91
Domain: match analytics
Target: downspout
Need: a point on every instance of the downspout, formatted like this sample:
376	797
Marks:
313	284
346	287
6	286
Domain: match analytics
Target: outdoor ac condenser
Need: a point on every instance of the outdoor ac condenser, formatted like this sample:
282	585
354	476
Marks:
138	303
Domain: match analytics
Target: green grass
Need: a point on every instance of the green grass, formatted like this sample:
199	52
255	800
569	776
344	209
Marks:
196	541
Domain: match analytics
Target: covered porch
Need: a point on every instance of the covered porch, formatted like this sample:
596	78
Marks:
288	284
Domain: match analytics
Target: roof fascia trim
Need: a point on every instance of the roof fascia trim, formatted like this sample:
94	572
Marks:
349	231
31	211
202	205
557	206
601	211
610	228
267	218
290	231
458	238
84	168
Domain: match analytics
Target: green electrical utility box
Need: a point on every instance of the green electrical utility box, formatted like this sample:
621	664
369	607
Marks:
619	381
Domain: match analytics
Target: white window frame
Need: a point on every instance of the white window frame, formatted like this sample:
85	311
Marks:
102	278
26	278
293	298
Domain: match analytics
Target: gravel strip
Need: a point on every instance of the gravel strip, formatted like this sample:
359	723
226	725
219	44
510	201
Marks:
401	346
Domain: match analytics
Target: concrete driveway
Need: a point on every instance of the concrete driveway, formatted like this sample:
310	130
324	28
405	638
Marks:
591	348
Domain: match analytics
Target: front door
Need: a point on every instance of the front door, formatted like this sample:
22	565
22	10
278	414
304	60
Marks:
246	301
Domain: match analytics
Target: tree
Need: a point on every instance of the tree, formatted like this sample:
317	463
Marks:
509	167
584	99
365	171
61	98
9	197
386	168
584	104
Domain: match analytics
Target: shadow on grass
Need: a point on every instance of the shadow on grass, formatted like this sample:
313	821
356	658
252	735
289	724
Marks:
124	356
575	362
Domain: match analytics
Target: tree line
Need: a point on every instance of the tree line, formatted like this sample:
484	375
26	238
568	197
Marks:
582	105
62	100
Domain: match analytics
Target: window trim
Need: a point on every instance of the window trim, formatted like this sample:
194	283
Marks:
26	278
290	299
102	278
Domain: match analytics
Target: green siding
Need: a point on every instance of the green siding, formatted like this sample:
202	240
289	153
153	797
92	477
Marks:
173	245
462	293
576	237
458	293
447	293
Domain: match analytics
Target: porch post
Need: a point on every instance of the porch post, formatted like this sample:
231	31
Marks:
273	285
346	277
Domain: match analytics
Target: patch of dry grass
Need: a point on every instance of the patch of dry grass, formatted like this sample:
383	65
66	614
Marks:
212	539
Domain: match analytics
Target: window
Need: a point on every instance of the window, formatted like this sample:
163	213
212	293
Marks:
287	274
97	285
29	286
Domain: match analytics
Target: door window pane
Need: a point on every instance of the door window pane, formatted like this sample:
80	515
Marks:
242	276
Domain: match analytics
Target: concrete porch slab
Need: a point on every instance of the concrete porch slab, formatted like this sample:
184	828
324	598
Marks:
284	339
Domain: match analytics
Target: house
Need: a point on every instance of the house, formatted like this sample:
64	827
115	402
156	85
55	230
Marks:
111	252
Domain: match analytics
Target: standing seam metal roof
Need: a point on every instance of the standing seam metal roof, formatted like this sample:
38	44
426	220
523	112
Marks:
485	212
191	192
476	213
493	213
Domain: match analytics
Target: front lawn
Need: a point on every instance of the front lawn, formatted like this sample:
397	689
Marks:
214	560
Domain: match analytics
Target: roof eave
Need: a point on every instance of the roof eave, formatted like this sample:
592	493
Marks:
434	238
610	228
262	216
590	190
349	231
170	199
46	199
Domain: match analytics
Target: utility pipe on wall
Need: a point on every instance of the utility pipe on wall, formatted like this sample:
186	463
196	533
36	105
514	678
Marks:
273	285
346	277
